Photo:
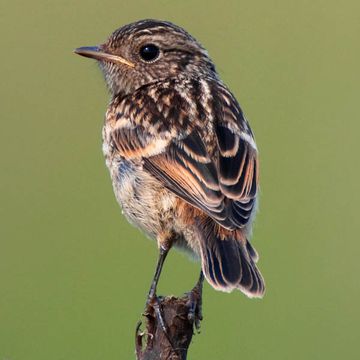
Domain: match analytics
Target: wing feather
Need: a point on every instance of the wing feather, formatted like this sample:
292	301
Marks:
218	175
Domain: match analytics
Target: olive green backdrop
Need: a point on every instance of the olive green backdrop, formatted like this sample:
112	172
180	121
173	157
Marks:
74	274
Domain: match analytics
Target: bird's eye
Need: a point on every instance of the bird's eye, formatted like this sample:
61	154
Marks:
149	52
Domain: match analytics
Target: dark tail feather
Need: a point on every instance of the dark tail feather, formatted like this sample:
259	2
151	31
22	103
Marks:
228	260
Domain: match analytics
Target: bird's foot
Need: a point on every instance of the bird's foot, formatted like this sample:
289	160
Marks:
195	304
195	309
153	306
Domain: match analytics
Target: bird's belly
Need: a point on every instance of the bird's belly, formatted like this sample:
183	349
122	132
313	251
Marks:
144	201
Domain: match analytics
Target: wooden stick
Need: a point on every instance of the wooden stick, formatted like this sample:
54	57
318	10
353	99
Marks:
180	322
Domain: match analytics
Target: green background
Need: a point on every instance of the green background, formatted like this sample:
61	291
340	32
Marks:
74	274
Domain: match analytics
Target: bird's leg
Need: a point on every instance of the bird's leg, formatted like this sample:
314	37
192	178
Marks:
163	251
195	302
152	299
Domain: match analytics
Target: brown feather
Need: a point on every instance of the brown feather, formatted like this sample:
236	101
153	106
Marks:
221	181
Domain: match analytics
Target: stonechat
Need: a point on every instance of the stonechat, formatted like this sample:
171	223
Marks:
181	154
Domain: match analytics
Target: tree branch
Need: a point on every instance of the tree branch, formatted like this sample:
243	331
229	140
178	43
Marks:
180	315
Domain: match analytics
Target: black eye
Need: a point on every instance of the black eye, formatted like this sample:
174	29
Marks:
149	52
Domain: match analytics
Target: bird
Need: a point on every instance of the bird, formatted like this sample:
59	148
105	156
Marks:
181	154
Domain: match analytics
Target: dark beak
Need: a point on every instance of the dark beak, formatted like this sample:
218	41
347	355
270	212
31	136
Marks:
95	52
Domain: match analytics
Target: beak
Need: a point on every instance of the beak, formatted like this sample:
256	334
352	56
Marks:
95	52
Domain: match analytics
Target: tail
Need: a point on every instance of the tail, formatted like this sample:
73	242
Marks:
228	260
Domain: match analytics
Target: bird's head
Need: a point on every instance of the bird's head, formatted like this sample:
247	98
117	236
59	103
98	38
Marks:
147	51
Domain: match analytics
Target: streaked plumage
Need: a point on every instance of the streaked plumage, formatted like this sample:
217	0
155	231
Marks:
181	155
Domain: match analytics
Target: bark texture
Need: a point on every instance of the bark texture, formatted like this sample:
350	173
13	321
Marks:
181	316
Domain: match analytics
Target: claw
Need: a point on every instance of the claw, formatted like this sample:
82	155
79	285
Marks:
154	303
159	316
195	303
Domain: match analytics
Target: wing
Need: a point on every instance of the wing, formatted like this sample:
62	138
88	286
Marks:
215	171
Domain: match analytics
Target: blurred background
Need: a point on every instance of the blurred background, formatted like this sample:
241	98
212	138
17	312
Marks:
74	274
